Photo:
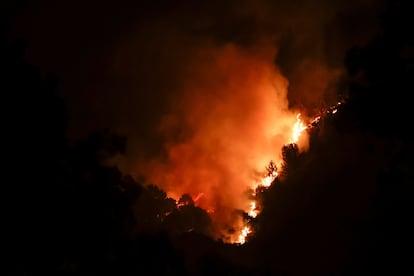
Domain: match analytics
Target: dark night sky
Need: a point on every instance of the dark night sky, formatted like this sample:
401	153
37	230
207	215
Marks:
160	73
120	62
126	66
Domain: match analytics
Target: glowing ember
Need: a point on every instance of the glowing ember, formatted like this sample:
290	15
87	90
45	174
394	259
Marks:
298	128
315	121
179	204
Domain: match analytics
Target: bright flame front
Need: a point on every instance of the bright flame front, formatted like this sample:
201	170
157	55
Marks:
297	130
244	233
267	180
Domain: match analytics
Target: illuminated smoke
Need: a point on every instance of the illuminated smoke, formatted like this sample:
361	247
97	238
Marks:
229	115
231	120
297	130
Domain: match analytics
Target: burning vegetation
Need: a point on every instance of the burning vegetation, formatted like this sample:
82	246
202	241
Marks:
221	133
241	180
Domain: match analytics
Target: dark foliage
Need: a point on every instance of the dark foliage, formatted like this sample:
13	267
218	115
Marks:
66	211
342	208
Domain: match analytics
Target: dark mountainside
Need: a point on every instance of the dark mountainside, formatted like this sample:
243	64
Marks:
343	207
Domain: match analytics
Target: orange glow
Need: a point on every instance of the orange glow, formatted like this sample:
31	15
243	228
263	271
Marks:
231	119
315	120
253	211
244	233
298	128
267	181
197	197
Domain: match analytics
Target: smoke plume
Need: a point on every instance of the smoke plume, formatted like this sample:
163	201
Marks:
231	119
194	85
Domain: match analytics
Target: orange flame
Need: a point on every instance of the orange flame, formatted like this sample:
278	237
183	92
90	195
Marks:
298	128
244	233
267	181
253	211
230	120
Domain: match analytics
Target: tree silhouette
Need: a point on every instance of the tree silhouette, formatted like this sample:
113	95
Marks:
69	212
290	155
342	208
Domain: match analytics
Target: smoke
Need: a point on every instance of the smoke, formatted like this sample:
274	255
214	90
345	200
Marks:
231	119
218	108
230	109
194	86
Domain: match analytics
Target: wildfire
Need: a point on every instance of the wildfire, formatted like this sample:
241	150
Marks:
244	233
268	179
253	211
297	130
217	134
